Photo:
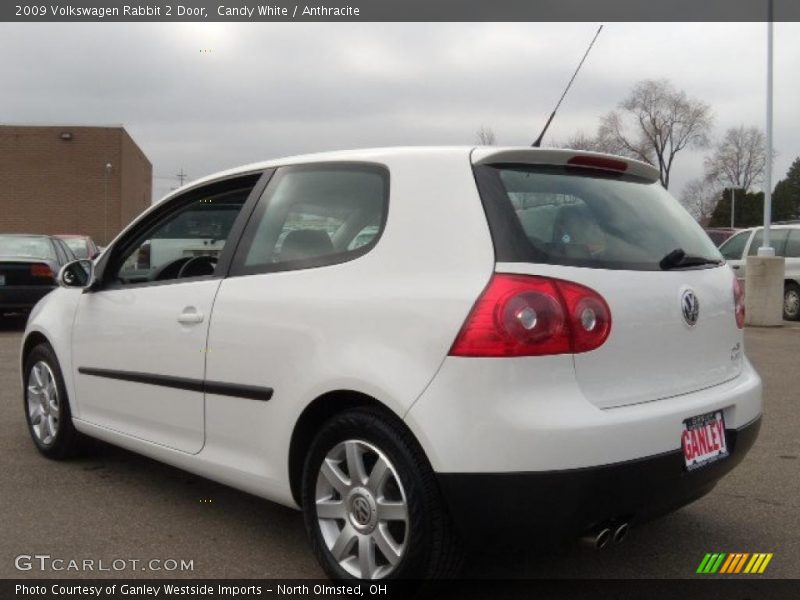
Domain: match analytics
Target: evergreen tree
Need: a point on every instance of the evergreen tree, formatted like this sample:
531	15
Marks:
786	197
749	209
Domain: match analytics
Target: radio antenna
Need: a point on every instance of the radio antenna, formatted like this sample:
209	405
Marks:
538	141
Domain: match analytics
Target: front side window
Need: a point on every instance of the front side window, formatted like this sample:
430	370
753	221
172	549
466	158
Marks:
185	243
734	247
314	216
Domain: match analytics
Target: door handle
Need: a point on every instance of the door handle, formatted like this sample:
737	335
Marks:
190	315
736	267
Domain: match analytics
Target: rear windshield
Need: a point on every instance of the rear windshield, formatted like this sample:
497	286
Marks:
567	216
23	246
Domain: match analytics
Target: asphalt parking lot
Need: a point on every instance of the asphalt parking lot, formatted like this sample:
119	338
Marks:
117	505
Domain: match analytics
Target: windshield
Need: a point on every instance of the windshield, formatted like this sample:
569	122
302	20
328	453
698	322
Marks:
26	246
566	216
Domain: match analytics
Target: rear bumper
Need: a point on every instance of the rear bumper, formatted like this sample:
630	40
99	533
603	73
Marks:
554	506
22	297
524	415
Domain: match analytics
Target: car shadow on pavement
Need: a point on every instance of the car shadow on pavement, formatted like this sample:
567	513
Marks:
241	535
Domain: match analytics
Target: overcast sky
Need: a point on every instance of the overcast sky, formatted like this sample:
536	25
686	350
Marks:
267	90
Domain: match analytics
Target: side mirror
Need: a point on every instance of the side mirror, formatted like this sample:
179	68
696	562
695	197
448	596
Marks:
77	274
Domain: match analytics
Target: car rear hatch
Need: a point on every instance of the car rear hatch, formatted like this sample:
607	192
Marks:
25	272
606	223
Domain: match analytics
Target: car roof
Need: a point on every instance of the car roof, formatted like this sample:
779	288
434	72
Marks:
773	226
477	154
33	235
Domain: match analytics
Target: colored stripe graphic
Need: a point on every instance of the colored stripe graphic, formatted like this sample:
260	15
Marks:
727	564
765	563
710	563
718	562
741	562
735	557
734	563
754	563
703	563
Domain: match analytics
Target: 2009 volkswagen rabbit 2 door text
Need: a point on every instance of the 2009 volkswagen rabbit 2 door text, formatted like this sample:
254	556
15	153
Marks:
420	348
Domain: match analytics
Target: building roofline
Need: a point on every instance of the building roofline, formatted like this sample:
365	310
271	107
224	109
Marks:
52	125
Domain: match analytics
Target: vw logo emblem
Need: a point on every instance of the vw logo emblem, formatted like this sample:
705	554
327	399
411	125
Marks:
690	307
361	511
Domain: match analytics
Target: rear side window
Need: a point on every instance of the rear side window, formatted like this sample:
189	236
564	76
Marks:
313	216
734	247
78	246
568	216
777	239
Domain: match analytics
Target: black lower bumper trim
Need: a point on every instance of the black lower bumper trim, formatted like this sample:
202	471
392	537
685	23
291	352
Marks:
555	506
22	298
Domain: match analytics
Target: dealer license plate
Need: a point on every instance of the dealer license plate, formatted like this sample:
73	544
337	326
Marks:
703	440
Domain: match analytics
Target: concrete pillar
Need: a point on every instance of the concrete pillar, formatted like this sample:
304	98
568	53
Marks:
763	291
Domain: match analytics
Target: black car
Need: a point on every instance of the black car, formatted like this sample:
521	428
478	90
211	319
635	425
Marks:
29	265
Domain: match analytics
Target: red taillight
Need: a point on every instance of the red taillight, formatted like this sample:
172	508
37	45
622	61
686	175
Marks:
40	270
738	302
523	315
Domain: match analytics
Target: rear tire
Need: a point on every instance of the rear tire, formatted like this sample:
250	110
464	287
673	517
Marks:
46	405
791	301
371	503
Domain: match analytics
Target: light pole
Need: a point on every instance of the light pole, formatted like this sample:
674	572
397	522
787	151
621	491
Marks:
733	207
766	249
763	285
105	203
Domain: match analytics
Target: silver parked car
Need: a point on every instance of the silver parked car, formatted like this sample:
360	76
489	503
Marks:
786	241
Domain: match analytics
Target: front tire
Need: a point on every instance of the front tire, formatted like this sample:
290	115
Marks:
791	302
371	504
46	405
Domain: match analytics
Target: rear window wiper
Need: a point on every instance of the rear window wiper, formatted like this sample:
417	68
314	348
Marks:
678	259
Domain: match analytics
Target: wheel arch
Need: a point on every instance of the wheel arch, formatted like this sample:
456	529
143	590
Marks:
314	416
33	339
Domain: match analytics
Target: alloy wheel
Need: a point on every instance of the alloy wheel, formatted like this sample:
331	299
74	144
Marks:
44	408
791	303
362	511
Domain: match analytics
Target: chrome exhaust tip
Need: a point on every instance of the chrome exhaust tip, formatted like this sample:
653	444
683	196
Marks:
621	532
597	539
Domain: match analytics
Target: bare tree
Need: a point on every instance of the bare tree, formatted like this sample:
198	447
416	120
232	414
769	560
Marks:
485	136
700	197
739	158
583	141
654	123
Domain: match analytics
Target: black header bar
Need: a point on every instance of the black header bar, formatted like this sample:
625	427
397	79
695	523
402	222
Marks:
396	10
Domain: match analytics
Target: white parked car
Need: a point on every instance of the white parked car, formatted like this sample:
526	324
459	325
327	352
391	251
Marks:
522	341
785	238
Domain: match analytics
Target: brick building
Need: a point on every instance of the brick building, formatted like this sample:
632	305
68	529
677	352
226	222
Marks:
64	179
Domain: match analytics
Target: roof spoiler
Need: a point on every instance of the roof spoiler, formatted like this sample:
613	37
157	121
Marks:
609	163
